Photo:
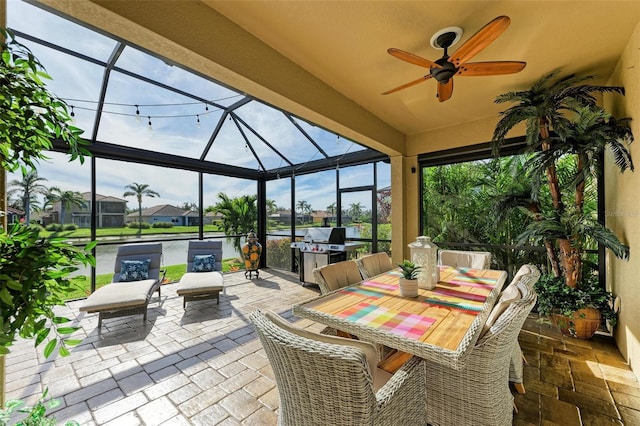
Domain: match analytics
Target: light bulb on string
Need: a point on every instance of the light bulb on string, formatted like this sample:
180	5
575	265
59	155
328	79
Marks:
198	121
149	128
337	139
137	114
73	115
246	147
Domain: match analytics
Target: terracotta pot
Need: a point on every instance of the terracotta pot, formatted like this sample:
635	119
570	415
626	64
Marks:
583	324
408	288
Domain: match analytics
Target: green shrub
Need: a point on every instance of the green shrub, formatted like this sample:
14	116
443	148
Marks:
54	227
162	225
70	227
138	225
279	253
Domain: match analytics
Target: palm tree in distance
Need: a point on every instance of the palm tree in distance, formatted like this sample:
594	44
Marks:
67	199
139	190
27	189
239	216
303	207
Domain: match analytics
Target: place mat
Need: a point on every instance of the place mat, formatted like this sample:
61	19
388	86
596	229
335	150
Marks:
397	322
460	294
468	307
381	286
362	292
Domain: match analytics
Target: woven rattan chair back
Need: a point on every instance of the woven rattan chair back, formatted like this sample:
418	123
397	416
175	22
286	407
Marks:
465	259
336	275
322	383
374	264
479	393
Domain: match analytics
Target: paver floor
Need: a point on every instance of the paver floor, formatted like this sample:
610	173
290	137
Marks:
205	366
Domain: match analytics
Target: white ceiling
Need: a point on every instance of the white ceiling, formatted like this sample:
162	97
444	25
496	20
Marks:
344	44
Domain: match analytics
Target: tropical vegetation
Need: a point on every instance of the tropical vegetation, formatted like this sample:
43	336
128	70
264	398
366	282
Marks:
139	190
564	124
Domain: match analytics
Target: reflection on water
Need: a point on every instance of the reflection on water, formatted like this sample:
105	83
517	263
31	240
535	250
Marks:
173	253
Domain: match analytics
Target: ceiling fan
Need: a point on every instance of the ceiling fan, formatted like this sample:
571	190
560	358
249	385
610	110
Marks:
446	67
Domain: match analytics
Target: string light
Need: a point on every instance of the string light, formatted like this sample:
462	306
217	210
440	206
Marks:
149	128
73	115
198	121
337	139
137	114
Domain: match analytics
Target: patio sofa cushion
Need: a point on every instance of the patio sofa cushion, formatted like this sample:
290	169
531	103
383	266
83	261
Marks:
119	295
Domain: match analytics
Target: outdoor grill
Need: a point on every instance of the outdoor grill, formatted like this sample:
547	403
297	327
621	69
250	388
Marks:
322	246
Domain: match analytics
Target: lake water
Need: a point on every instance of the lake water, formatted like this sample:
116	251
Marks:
175	252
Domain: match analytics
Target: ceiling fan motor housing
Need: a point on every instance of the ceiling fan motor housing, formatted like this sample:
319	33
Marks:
448	70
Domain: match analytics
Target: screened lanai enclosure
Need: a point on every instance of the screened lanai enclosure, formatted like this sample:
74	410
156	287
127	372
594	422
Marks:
185	143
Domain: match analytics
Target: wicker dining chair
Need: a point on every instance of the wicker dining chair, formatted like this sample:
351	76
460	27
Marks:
336	275
327	380
516	366
374	264
479	393
465	259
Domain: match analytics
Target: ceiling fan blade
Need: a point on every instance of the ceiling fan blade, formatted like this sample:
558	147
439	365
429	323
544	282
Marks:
413	59
480	40
445	90
409	84
491	68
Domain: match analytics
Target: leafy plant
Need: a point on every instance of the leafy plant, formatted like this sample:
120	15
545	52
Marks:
34	277
36	415
557	297
409	269
31	117
565	126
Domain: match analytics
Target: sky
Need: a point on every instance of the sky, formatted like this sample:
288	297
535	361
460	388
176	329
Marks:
179	125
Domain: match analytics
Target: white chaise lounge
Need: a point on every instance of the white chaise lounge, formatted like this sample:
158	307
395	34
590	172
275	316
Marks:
136	278
203	279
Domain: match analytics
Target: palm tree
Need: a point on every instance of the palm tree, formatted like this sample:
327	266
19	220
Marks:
239	216
303	207
355	211
27	189
563	121
139	190
67	199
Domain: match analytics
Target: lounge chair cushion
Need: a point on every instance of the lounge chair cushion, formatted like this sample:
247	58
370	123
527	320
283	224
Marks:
204	263
200	282
134	270
119	295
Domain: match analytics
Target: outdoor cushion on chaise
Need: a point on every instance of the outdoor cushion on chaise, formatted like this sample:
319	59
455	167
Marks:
203	279
136	278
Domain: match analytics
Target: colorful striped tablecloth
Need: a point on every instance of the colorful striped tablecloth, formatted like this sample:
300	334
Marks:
439	318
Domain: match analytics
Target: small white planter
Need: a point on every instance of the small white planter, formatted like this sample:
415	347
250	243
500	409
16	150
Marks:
408	288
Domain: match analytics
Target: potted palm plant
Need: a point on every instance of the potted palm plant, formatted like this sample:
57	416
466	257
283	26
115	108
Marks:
567	134
409	280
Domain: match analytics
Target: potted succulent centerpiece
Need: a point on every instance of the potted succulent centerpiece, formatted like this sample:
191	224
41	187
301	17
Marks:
567	134
409	280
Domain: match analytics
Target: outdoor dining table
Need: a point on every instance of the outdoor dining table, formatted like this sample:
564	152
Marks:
440	325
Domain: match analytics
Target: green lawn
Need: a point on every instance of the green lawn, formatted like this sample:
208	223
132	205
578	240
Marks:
82	283
124	232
